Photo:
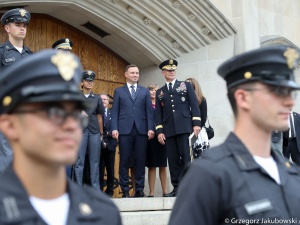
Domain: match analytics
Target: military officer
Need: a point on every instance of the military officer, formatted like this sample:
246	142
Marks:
15	23
63	44
40	114
177	115
243	180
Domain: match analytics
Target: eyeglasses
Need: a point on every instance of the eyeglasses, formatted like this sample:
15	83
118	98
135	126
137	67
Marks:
276	90
58	115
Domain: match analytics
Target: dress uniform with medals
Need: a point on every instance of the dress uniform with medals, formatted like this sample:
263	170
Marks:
8	53
230	185
176	113
8	56
47	77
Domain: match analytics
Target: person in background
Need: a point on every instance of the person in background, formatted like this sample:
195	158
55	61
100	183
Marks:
243	180
91	140
132	125
40	115
277	141
177	115
66	45
156	156
201	99
292	150
15	24
63	44
108	149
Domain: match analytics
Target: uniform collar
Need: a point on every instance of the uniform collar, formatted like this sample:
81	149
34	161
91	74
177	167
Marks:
9	46
245	160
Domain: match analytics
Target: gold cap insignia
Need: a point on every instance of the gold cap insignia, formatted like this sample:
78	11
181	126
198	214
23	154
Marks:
89	72
6	101
65	63
22	12
291	56
85	209
247	75
67	40
287	164
170	61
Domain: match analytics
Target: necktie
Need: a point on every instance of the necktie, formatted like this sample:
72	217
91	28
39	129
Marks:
292	126
170	87
105	115
133	93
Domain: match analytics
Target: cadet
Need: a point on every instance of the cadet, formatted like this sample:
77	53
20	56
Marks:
177	114
91	139
40	114
15	23
64	44
243	180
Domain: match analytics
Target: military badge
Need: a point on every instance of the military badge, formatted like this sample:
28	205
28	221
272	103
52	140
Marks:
65	64
183	99
181	87
291	56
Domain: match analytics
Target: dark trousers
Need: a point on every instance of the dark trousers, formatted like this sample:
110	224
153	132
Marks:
138	143
107	161
90	143
178	156
292	151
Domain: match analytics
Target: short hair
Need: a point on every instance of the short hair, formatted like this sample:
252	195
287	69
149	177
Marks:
231	97
153	86
129	66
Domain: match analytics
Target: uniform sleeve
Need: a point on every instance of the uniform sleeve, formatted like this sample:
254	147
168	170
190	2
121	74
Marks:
115	111
199	197
158	115
195	110
203	110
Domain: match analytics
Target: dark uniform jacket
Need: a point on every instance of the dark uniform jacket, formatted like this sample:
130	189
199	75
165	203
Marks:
9	54
95	107
176	112
107	132
227	186
86	206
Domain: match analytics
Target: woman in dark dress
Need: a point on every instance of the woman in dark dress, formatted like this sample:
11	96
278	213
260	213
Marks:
156	156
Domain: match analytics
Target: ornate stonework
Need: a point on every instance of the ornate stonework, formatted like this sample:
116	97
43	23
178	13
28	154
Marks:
205	30
131	10
191	16
147	21
175	44
176	4
114	1
161	32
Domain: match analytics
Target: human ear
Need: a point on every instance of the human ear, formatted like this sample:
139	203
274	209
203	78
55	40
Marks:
8	126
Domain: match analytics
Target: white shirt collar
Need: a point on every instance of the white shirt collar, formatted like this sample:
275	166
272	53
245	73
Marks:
129	86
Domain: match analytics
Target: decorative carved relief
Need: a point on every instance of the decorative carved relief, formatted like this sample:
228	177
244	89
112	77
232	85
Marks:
205	30
175	44
161	32
191	16
147	21
131	10
176	4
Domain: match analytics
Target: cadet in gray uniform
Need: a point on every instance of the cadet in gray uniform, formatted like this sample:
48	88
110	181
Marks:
15	23
243	181
40	114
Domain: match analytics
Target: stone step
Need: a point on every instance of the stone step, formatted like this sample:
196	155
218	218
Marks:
145	211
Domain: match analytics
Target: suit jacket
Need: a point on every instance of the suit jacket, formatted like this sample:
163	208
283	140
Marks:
176	112
107	132
126	112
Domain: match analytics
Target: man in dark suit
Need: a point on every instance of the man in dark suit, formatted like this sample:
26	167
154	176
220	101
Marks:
108	150
292	150
132	123
177	115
